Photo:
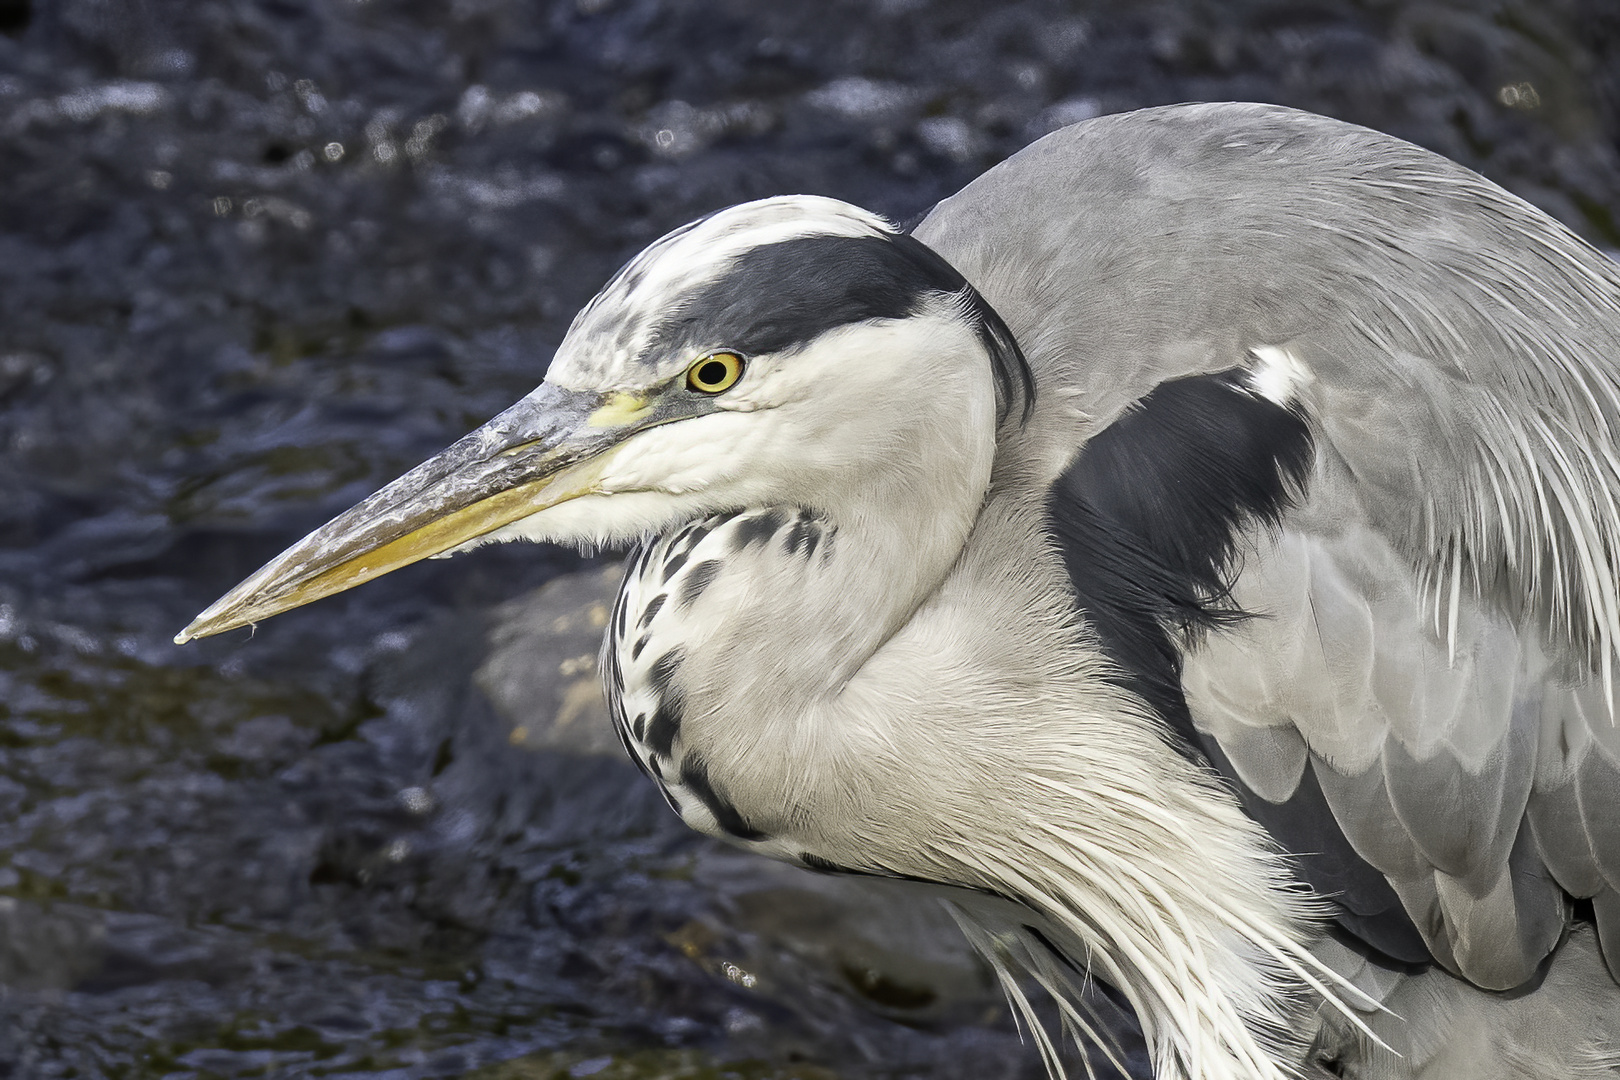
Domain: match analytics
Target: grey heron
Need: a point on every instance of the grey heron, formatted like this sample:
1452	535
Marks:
1192	549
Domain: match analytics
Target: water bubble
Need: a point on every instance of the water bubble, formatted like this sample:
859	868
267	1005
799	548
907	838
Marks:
422	133
738	975
1519	95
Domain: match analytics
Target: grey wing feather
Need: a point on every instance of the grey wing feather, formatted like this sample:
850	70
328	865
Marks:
1424	743
1437	621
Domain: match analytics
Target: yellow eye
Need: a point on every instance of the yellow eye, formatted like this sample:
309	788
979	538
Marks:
714	373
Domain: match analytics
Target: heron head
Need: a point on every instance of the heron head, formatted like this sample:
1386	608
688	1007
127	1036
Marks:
787	351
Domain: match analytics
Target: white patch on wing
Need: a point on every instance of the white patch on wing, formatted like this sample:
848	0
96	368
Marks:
1278	375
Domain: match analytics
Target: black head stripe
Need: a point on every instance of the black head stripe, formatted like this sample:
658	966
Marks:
775	297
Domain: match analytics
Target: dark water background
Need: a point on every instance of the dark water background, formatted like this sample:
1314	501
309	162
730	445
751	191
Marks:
257	258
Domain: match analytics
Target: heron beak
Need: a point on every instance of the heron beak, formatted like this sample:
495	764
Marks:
547	449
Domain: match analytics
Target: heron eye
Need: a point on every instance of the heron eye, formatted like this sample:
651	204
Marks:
714	373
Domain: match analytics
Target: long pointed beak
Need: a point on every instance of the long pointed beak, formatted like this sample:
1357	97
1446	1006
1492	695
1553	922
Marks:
548	448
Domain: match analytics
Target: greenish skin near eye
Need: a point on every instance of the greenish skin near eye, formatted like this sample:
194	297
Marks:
714	373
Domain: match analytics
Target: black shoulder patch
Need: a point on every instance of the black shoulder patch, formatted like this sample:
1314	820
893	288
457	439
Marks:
1147	519
775	297
1149	514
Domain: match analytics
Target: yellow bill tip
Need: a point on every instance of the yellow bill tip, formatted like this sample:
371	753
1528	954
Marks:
308	571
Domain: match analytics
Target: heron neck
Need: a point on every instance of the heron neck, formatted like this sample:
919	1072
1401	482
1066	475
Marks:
978	743
752	625
800	624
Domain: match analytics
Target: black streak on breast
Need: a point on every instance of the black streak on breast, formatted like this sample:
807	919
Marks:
757	529
696	580
651	611
673	564
666	720
802	536
695	777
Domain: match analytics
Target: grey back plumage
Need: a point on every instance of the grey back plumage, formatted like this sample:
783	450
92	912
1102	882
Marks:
1435	617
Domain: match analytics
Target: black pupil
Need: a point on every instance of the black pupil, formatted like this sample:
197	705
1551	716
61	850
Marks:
712	373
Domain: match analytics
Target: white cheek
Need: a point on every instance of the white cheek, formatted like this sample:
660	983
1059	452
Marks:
779	384
686	456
